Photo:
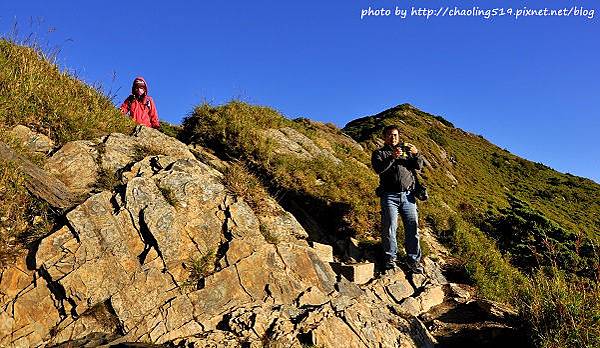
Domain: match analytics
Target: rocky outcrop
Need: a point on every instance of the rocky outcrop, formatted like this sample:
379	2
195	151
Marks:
31	140
75	165
84	166
288	141
166	254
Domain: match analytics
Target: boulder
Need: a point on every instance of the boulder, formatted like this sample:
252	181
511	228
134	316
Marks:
76	165
31	140
430	297
152	141
400	289
461	294
324	251
359	273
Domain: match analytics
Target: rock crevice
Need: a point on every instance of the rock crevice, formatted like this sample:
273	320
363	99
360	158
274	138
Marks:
165	254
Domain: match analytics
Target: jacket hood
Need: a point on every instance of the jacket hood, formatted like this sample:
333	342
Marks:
139	78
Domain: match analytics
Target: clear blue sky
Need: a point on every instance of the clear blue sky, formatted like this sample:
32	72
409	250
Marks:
530	85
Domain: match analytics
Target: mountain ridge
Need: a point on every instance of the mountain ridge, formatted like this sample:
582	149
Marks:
520	232
368	128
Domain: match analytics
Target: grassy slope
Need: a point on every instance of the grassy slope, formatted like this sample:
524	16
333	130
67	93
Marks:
468	176
485	172
493	186
339	197
486	175
35	93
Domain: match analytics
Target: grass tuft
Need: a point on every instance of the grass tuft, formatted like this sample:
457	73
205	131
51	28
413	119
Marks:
200	267
242	183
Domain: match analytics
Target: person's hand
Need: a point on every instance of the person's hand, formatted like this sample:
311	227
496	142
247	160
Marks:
397	152
413	149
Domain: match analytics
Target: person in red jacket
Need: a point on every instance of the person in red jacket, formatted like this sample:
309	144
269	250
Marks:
140	106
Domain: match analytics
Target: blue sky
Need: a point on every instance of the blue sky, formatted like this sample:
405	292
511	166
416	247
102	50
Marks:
530	85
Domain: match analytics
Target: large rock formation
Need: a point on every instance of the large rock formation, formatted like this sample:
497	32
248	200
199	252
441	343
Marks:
288	141
162	252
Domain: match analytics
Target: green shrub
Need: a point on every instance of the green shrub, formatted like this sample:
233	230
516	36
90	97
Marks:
437	136
496	279
444	121
561	310
169	129
533	240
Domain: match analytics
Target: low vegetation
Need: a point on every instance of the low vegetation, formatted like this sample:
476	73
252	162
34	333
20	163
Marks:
532	241
13	218
472	175
338	195
504	240
243	184
495	277
199	268
23	218
169	129
562	310
35	93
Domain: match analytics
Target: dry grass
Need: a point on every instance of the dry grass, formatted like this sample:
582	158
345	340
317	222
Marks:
339	196
243	184
23	218
35	93
562	311
200	268
13	220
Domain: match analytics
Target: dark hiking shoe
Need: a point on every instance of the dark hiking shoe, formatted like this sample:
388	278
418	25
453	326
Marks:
416	268
390	264
390	271
389	268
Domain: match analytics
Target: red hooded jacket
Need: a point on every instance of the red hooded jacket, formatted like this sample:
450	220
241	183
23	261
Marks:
142	110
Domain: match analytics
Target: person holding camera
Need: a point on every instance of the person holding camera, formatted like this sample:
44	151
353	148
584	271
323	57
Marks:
395	163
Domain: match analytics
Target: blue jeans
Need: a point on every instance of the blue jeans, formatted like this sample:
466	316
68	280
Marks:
404	203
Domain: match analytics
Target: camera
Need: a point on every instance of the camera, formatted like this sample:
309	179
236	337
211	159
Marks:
404	150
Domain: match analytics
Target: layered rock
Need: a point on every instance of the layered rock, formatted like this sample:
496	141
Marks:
166	254
31	140
288	141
